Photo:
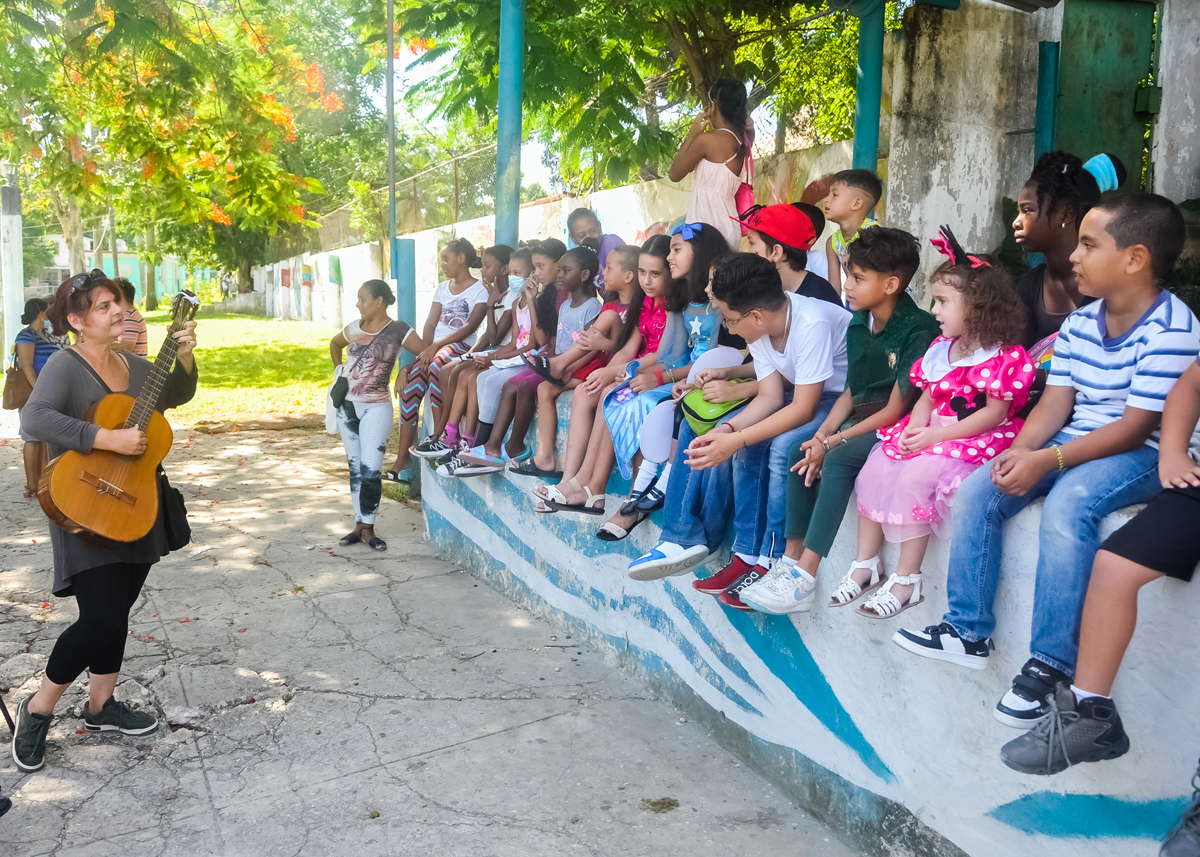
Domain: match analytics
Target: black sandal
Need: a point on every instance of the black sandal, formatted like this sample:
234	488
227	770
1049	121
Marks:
611	532
377	544
528	468
351	539
540	364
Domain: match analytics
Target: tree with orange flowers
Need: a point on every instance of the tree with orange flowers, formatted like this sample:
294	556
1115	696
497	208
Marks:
174	111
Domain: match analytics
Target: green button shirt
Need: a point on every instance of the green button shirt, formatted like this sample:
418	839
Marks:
876	361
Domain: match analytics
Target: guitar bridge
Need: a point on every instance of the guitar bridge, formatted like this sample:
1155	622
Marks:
103	486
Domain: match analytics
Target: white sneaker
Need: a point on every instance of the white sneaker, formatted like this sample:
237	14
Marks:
789	592
776	570
667	559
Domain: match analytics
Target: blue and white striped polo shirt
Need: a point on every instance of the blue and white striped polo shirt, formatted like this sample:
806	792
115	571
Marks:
1136	369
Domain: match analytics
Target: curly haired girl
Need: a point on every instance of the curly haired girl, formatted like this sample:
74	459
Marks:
975	379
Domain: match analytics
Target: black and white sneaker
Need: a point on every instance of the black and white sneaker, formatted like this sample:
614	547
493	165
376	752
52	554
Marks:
942	643
1029	700
431	447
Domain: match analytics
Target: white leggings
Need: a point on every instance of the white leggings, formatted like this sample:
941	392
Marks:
658	429
488	385
365	427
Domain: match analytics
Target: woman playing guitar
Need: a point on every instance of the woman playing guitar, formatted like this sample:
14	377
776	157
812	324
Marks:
105	577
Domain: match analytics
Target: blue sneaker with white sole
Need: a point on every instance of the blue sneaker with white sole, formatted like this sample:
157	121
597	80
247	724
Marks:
667	560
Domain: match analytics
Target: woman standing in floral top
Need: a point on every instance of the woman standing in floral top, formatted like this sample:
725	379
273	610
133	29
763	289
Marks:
365	419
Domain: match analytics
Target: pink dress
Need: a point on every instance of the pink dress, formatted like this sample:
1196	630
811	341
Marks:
912	495
712	197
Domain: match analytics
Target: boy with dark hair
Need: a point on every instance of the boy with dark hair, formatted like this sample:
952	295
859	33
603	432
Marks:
794	341
582	225
784	234
852	196
1090	447
134	336
887	334
1160	542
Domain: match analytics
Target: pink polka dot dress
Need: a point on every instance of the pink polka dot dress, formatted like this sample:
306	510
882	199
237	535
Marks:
911	495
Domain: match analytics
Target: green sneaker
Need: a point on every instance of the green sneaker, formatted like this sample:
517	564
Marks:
29	739
119	717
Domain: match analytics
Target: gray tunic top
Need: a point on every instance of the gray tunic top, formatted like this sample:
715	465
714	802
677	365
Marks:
56	414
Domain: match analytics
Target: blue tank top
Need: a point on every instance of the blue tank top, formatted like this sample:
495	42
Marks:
700	322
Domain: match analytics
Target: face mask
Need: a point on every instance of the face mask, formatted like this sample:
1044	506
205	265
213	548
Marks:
48	326
515	284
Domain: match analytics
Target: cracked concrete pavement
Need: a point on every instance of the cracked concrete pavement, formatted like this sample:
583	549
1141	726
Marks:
327	700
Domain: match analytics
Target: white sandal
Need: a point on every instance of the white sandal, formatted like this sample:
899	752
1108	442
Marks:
884	605
543	500
850	590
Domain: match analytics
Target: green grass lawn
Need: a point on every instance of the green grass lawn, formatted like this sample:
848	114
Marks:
253	367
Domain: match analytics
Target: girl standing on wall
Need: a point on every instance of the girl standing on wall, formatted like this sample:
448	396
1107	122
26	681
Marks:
458	308
716	150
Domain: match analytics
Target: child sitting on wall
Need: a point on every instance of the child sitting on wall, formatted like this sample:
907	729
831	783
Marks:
887	334
458	307
575	280
1083	725
478	394
501	293
663	299
1089	446
794	341
975	380
852	196
784	234
608	334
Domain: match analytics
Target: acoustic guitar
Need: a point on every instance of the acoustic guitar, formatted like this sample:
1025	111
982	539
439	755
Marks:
107	494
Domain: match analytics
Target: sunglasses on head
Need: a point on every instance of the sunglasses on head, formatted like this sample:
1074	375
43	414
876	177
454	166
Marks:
83	282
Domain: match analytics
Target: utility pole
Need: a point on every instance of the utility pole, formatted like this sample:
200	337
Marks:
150	294
11	266
112	239
508	121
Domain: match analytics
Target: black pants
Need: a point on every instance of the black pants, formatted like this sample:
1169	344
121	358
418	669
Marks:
96	641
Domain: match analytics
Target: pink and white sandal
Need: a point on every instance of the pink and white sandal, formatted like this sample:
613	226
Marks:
850	590
884	605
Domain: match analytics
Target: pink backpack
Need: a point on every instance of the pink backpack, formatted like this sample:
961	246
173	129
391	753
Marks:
743	197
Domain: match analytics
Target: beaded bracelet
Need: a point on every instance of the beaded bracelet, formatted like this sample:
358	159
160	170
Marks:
1058	454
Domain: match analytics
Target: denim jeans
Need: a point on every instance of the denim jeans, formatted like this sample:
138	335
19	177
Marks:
1076	501
754	481
760	487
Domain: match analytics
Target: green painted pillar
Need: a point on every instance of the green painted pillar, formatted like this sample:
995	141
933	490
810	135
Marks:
868	91
1046	115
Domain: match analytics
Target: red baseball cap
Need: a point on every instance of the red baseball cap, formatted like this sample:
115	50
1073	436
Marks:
785	223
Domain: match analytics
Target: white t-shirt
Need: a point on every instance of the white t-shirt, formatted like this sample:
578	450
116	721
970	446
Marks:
815	350
818	262
456	309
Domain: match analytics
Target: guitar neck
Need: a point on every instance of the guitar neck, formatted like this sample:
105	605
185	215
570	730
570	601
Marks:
148	399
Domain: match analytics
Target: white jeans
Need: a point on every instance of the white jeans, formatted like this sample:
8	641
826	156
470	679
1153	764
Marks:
365	428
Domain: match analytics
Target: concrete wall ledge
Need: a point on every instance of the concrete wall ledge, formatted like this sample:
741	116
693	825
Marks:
897	752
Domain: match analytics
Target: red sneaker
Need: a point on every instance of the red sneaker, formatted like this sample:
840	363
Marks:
724	578
730	596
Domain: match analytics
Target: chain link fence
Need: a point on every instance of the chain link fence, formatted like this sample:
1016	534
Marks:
461	188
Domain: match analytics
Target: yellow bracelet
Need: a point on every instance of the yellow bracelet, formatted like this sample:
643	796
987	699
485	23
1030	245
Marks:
745	443
1058	454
